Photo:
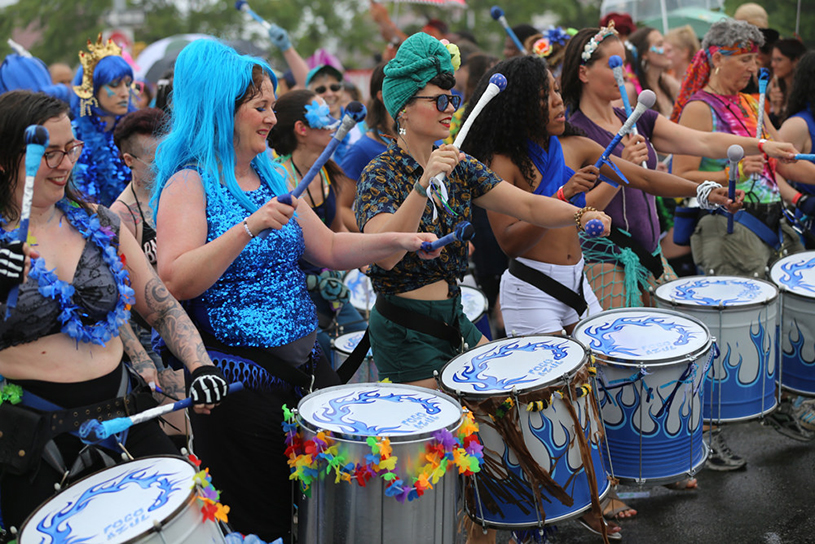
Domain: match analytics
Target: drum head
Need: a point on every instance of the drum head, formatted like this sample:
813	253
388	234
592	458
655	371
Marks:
362	296
346	343
796	274
522	363
635	335
357	411
715	291
115	505
474	303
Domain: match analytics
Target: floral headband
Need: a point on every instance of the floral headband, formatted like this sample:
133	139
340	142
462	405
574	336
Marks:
592	45
318	116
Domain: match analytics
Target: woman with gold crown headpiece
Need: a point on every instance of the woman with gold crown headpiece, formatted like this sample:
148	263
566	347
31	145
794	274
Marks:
103	87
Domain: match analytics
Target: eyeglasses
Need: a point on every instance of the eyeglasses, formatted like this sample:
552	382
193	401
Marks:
443	100
335	87
54	158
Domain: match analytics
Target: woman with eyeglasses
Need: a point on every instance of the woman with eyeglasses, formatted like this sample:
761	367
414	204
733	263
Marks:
61	355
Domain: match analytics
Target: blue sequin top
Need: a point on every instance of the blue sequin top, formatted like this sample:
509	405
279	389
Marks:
261	300
100	173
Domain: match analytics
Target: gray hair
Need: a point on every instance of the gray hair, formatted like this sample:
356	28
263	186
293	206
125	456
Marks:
729	32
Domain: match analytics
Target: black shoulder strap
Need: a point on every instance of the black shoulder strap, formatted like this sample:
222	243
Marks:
549	286
352	363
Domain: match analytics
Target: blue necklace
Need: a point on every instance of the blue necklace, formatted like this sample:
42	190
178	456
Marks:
52	287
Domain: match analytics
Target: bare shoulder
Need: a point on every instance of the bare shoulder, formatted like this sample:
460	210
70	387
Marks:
697	115
507	170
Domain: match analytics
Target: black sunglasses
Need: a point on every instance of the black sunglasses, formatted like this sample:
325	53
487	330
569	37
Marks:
335	87
443	100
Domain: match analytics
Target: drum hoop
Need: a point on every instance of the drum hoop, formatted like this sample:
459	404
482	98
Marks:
394	439
735	307
486	305
152	529
563	379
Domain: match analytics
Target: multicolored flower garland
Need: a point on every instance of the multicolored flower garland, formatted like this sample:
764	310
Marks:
210	497
442	453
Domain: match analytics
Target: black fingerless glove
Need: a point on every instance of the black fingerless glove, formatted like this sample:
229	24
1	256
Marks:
12	264
208	385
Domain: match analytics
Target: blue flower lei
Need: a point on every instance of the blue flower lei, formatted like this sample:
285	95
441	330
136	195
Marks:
318	115
52	287
100	172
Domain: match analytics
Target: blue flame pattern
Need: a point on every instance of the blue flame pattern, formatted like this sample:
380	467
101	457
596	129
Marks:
688	292
57	525
602	341
474	370
339	411
799	373
793	278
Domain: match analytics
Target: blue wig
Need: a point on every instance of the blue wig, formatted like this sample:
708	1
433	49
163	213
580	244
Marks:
209	79
29	73
110	68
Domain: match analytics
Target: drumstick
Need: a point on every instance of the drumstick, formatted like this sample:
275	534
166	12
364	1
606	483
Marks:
243	5
763	79
645	100
464	231
92	431
36	140
616	64
734	155
498	14
805	157
354	113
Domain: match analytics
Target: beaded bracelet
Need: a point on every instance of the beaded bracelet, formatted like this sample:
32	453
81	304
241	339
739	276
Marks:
246	228
578	216
419	189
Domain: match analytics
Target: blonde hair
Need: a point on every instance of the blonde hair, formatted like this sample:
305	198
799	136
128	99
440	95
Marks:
684	38
753	14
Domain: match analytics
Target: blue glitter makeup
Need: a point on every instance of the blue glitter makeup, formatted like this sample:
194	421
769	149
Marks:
657	50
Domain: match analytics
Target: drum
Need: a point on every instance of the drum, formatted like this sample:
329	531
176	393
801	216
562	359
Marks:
651	365
795	277
147	501
535	385
362	292
741	315
351	501
343	346
475	306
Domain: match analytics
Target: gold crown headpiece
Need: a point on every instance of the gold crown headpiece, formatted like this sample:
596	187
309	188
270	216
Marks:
89	61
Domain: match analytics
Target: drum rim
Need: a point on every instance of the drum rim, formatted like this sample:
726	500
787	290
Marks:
561	380
686	357
712	309
152	528
486	305
344	352
394	439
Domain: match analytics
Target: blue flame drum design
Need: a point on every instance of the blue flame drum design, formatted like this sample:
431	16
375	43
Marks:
408	415
120	504
651	365
795	277
525	364
344	346
362	296
741	315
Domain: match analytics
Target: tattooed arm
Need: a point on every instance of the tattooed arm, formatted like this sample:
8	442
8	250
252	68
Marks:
139	359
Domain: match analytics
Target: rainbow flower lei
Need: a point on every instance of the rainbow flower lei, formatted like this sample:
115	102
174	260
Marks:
442	453
51	286
210	497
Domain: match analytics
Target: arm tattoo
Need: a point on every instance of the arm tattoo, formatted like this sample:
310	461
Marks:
166	315
139	358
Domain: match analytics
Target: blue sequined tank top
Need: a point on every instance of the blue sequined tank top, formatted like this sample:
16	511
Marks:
261	300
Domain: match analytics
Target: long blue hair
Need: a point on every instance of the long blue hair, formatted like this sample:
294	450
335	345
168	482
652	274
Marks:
211	80
110	68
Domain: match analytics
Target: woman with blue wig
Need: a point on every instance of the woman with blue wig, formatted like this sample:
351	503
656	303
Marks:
216	192
103	87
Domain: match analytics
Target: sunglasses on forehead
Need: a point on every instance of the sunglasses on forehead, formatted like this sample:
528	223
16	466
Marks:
443	100
335	87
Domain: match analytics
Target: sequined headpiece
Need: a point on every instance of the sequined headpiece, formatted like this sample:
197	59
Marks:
89	61
592	45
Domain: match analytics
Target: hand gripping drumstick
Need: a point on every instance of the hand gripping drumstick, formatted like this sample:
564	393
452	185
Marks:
734	155
805	157
354	113
498	14
645	100
92	431
36	140
464	232
616	64
763	79
243	5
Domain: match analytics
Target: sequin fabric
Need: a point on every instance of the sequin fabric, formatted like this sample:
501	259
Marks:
261	300
99	174
386	182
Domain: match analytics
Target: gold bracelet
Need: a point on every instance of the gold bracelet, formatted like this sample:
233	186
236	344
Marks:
578	216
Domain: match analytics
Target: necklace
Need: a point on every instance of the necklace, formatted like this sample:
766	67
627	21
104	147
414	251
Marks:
323	186
75	322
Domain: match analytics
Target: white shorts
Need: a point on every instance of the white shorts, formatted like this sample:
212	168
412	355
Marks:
528	310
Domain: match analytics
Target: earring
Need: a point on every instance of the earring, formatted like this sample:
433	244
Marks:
402	131
716	72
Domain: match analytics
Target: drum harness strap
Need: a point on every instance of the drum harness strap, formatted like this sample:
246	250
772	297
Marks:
757	227
550	286
407	319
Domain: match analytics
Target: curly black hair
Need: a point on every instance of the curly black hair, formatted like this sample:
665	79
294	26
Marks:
802	94
518	113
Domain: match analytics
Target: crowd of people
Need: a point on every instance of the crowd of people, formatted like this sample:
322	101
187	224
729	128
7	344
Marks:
165	256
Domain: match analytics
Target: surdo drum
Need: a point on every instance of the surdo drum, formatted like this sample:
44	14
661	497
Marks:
650	370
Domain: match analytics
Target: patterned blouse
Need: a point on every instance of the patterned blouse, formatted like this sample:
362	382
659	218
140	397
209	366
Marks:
386	182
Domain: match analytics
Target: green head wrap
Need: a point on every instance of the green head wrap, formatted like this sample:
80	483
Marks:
420	58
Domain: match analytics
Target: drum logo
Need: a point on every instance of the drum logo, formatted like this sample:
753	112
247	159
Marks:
689	292
344	413
602	338
474	372
794	278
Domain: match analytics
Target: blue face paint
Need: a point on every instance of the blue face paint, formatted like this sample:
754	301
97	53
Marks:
657	50
109	90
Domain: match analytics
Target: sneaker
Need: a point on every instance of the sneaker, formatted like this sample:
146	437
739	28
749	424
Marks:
720	457
794	419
